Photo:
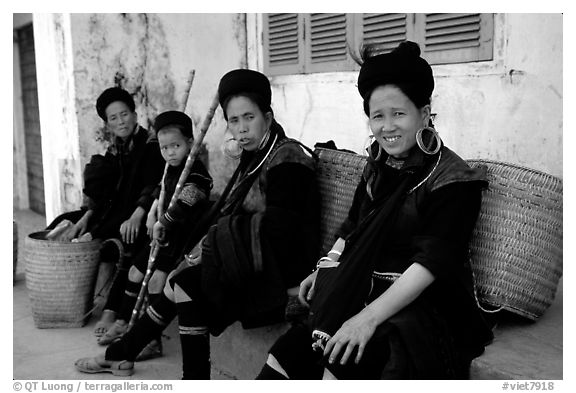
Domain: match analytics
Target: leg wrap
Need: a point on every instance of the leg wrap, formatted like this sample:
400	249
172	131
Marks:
194	338
132	343
129	300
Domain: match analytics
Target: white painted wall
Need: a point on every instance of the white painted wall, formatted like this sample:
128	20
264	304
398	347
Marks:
58	118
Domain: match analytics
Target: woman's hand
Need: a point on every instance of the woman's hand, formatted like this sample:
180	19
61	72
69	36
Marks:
307	288
77	229
130	228
357	331
354	333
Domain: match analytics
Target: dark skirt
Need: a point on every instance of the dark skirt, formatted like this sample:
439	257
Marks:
415	343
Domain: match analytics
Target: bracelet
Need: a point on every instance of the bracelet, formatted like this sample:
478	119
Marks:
327	259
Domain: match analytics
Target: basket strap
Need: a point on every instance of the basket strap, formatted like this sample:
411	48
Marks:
120	247
112	277
476	291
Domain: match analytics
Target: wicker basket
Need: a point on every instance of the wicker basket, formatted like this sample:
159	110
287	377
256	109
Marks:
60	280
338	174
516	248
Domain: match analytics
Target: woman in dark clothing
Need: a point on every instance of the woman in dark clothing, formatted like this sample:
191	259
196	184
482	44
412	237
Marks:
246	265
394	297
118	187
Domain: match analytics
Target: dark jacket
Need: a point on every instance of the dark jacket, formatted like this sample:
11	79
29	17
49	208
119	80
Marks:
266	237
123	179
433	228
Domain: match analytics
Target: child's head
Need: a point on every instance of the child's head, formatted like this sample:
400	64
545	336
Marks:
174	132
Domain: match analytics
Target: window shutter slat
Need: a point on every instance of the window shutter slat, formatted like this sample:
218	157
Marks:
451	38
451	31
327	37
385	31
283	39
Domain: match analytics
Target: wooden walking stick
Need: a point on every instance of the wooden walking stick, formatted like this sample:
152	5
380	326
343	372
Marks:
183	176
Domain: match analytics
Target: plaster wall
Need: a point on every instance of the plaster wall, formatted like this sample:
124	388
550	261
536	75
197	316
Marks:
58	117
152	56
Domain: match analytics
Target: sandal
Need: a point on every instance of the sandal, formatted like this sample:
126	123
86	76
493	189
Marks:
119	368
106	321
151	351
116	331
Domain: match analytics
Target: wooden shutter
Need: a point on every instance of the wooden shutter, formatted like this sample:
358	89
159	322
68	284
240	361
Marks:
385	31
455	38
283	44
306	43
327	42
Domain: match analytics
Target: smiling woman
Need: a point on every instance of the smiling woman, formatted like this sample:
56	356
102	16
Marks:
393	298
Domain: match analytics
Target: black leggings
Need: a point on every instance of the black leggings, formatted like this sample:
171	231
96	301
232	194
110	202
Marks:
182	296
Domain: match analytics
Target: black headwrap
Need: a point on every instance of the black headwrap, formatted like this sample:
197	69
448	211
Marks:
402	67
176	118
111	95
245	81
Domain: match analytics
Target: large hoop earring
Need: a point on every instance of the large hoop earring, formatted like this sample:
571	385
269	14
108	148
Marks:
369	148
429	148
231	147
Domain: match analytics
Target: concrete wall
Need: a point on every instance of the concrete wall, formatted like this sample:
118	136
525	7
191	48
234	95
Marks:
508	109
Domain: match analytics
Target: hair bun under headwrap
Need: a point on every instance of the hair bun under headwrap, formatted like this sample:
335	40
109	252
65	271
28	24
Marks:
408	48
402	67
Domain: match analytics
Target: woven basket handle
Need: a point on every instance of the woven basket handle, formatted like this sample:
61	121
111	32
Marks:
476	291
118	245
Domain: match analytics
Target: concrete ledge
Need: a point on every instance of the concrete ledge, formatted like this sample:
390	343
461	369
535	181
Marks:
239	353
521	349
524	349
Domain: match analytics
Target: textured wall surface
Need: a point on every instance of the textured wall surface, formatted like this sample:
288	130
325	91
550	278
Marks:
151	56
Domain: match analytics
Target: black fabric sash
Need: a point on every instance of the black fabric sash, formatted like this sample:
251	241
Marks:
341	292
233	195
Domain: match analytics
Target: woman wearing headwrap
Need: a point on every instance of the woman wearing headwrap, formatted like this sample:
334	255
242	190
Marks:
394	297
118	187
262	240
